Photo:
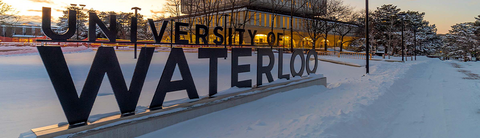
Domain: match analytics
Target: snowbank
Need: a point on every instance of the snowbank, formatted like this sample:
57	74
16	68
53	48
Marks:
307	112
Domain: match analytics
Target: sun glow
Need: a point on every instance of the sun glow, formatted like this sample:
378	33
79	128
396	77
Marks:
33	8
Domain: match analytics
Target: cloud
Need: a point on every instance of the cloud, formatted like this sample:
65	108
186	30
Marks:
35	19
157	12
32	10
42	1
26	18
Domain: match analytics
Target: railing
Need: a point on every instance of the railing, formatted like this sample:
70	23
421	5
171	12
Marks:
353	55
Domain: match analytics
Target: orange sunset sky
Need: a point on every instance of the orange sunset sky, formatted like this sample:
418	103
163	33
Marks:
443	13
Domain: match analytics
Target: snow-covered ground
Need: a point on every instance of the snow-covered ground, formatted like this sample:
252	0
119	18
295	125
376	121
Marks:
424	98
427	98
32	50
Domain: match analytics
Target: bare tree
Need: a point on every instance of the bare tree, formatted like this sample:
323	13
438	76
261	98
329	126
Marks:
343	29
334	10
7	14
172	8
239	15
312	27
276	5
295	9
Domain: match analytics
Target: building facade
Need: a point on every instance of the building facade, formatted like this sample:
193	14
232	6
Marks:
265	16
24	32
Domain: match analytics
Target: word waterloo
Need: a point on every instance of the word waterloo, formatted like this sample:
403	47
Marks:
77	109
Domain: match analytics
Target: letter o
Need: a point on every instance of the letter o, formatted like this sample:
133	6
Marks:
269	39
315	55
292	63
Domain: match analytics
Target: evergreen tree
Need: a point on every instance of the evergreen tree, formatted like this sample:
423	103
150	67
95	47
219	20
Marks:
462	40
386	29
349	27
386	18
124	22
82	19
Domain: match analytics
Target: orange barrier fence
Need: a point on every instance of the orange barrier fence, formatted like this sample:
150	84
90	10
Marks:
353	55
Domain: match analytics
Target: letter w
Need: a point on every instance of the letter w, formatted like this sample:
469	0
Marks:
78	109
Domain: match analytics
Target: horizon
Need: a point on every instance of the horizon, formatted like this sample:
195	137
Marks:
435	13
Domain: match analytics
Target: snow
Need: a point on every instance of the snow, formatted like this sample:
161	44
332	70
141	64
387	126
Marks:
311	77
31	50
28	99
427	98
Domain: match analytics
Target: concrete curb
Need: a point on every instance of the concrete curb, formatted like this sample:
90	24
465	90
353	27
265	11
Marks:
137	125
387	60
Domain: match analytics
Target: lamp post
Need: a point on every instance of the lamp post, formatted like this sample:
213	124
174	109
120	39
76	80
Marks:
235	36
283	47
80	7
403	43
367	52
225	30
415	41
171	32
291	25
135	35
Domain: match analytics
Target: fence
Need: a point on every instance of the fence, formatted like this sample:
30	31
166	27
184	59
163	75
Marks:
353	55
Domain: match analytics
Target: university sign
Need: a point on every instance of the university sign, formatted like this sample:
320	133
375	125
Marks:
77	108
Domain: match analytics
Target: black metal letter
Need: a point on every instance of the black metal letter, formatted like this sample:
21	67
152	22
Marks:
279	38
240	35
94	20
230	37
292	63
178	33
271	36
77	109
213	54
236	69
261	69
176	57
157	37
252	36
47	28
280	66
218	35
204	36
315	55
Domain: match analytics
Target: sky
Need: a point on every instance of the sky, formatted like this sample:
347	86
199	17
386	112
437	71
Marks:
32	9
442	13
